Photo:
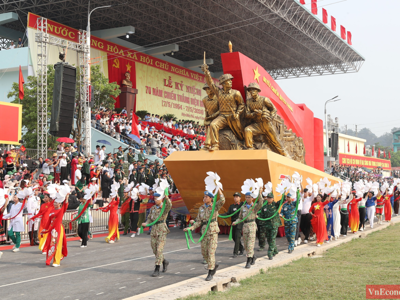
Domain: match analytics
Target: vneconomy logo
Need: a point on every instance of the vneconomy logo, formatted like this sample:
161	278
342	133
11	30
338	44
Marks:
383	292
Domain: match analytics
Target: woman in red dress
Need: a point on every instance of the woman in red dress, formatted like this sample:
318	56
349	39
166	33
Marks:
318	219
354	216
113	231
388	206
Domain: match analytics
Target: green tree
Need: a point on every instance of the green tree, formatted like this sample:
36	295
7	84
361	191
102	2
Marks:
29	108
103	91
395	159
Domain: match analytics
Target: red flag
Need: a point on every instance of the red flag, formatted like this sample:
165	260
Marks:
303	2
379	152
364	149
342	32
384	154
21	84
22	148
314	8
333	23
389	155
373	151
349	38
135	123
324	16
348	147
356	148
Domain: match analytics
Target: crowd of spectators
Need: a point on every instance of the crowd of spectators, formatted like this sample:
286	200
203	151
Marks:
155	132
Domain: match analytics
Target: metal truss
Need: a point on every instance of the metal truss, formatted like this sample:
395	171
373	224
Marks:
43	39
281	35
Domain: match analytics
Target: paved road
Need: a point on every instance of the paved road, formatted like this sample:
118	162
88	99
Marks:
107	271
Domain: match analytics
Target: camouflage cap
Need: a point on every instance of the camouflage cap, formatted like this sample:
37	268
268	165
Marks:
224	78
254	85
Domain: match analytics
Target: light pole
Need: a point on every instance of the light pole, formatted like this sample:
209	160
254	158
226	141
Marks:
326	124
87	110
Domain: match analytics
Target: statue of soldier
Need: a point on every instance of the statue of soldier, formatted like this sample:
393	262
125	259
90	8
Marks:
262	112
231	106
212	111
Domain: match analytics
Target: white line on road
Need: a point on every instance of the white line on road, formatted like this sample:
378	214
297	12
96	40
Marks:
192	269
91	268
142	282
122	287
177	272
99	293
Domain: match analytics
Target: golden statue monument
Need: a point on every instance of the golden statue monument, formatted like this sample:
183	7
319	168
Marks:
127	81
212	111
231	106
227	115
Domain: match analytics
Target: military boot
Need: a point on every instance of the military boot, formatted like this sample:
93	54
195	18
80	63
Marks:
35	238
165	264
249	259
253	260
209	276
156	272
214	271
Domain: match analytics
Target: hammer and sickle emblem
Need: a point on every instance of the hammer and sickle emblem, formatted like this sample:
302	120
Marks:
116	63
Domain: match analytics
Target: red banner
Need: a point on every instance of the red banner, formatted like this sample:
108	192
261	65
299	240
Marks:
10	123
72	34
364	161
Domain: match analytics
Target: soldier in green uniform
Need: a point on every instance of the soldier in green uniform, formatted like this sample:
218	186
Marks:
156	167
141	156
210	241
119	177
236	230
159	231
125	218
131	156
249	227
269	228
150	175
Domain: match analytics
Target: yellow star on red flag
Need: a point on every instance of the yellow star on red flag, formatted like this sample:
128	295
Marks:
317	206
256	74
128	67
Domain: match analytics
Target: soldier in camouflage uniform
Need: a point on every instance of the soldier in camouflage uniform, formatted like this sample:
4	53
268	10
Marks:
249	227
125	218
159	231
289	211
270	227
210	241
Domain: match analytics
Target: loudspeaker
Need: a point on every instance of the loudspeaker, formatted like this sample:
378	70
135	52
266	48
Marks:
335	144
63	106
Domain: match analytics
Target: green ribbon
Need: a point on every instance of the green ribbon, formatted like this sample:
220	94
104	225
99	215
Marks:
189	232
158	218
228	216
280	206
297	206
248	214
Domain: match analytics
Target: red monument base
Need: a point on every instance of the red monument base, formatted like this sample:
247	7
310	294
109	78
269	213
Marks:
127	98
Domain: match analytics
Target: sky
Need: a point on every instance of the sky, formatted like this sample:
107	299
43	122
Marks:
369	98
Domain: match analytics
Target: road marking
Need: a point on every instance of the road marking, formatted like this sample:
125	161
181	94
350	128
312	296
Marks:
161	277
219	261
230	257
67	297
142	282
99	293
192	269
177	272
122	287
91	268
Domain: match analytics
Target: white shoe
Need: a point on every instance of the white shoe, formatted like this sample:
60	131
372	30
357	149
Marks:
345	235
133	235
111	242
16	250
336	238
83	246
55	265
44	253
80	240
361	229
327	242
299	241
305	241
295	243
14	247
318	245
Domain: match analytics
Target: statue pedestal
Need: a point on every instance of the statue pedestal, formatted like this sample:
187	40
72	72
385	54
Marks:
234	167
127	98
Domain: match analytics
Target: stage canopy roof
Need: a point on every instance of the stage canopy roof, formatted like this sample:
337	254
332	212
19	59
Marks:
281	35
